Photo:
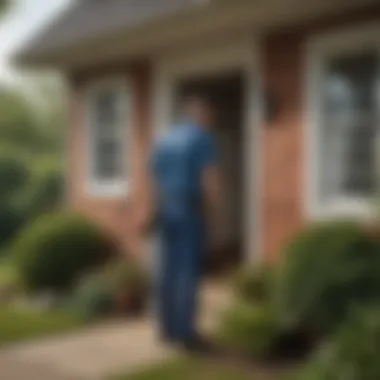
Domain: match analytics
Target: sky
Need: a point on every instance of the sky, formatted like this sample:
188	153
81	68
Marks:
19	24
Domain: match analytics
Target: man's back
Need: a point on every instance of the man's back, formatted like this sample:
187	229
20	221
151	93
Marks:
178	161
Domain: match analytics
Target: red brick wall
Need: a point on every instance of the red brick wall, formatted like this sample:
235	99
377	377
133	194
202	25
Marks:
282	140
284	64
112	213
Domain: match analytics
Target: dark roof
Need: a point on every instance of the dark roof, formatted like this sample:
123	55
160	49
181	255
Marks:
87	19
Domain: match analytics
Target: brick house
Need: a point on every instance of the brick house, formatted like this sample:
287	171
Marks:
297	82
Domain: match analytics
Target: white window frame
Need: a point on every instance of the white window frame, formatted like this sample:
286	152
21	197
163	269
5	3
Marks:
118	186
319	49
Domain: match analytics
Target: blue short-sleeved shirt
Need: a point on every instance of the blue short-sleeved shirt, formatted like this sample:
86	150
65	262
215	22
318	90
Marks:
178	161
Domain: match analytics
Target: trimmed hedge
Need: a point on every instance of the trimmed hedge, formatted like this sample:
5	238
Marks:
252	330
119	288
92	298
352	353
328	268
55	250
254	283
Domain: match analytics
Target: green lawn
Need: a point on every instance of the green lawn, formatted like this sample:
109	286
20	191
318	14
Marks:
19	325
189	369
8	273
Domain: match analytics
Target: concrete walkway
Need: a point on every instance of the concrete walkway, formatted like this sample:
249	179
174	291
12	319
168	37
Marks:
96	353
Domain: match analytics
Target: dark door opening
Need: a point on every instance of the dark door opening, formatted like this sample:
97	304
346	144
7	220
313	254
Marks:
227	95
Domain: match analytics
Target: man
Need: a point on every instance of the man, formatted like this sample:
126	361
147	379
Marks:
184	188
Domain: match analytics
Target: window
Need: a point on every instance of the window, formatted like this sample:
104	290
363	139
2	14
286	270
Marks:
344	111
108	125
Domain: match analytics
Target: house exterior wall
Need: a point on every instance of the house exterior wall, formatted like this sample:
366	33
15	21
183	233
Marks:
282	141
284	65
283	158
112	213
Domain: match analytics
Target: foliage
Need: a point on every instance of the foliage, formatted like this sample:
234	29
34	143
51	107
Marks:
255	330
23	324
44	193
123	274
10	285
55	250
129	284
93	297
328	268
253	283
120	287
13	176
30	136
4	4
10	222
13	173
351	354
19	123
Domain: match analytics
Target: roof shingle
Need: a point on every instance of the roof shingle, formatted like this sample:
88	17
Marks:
87	19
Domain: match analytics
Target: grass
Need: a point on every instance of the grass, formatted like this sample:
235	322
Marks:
23	324
8	272
189	369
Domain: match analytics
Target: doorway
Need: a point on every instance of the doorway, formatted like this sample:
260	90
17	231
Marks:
226	92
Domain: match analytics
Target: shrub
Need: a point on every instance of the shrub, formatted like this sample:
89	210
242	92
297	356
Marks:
55	250
10	223
351	354
13	176
45	192
129	284
253	284
13	173
93	297
254	330
328	267
10	285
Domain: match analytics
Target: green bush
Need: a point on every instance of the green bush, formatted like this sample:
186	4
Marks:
129	284
11	221
44	193
328	268
254	330
13	173
10	286
253	284
55	250
93	297
352	353
13	176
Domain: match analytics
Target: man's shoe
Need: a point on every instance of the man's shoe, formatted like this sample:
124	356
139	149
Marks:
197	344
168	338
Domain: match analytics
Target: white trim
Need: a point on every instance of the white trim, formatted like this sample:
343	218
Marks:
213	57
117	187
343	41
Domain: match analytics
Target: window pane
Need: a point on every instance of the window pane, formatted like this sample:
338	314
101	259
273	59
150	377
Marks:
107	147
349	126
106	109
107	162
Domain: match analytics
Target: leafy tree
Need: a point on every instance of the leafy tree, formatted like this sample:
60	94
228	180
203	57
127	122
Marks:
31	179
4	5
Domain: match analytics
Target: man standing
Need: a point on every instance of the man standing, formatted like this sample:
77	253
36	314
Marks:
184	186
